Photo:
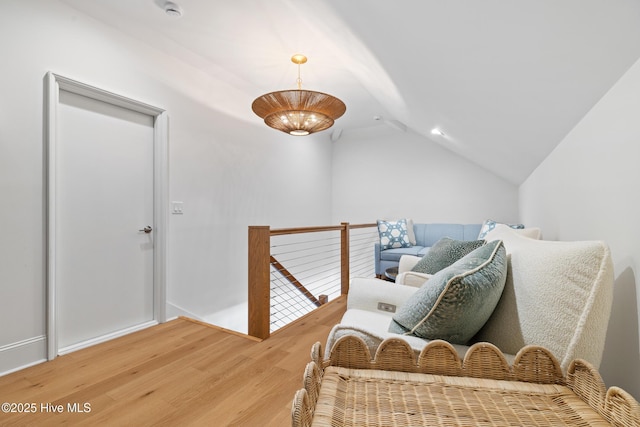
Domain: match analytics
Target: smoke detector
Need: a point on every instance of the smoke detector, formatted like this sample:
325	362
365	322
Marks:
170	8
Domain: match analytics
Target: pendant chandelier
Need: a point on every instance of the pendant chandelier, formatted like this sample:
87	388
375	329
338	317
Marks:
298	112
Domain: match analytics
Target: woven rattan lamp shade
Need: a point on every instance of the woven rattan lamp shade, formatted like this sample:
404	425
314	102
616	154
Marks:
298	112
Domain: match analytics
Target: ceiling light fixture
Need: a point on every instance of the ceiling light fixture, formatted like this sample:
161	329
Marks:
436	131
298	112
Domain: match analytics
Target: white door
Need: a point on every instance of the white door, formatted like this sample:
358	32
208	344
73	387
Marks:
102	221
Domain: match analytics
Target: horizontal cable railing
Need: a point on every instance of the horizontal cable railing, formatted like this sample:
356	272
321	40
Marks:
294	271
362	238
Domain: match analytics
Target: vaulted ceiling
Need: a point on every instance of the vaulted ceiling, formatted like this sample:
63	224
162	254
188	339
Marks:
505	80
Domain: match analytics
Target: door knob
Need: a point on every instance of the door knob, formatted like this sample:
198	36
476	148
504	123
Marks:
147	229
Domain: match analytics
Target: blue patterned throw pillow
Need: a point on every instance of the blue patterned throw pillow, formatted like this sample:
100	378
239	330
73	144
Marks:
491	224
393	234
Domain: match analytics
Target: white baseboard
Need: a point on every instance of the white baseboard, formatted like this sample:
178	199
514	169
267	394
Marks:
106	337
173	312
234	318
22	354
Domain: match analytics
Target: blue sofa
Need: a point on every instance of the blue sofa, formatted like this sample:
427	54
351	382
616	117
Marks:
426	236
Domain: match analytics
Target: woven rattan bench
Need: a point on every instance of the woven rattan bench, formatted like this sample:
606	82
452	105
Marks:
438	389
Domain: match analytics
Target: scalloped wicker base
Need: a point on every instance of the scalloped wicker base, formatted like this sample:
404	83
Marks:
438	389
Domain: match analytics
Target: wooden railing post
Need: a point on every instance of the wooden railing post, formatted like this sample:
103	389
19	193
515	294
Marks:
259	281
262	264
344	258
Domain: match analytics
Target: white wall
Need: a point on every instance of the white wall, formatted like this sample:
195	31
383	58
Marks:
229	180
588	189
380	172
229	173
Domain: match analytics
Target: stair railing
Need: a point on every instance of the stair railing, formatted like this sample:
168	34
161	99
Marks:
304	273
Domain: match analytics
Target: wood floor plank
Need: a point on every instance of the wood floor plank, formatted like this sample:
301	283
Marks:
178	373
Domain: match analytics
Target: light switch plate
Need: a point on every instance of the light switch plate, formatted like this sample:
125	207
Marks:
177	208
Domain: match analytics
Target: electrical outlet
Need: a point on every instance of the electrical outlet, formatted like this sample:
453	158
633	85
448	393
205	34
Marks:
383	306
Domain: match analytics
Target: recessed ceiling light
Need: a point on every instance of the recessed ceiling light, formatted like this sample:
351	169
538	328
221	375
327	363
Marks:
436	131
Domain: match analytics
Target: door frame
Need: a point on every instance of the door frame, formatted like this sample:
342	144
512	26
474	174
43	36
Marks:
54	83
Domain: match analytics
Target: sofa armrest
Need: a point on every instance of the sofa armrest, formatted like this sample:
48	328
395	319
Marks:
367	294
412	278
407	262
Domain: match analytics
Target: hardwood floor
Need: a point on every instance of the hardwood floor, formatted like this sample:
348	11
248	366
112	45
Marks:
178	373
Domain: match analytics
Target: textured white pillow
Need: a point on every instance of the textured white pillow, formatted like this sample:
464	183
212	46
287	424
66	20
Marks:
558	295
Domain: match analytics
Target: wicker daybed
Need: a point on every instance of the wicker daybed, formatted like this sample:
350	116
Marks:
439	389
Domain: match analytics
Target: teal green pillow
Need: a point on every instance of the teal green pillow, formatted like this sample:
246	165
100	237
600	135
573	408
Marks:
456	302
445	252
